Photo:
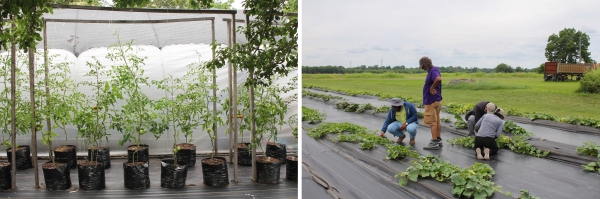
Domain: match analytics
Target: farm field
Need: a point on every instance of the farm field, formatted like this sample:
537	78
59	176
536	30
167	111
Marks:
527	93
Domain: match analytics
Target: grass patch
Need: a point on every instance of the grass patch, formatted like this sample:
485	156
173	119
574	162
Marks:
556	98
482	85
372	75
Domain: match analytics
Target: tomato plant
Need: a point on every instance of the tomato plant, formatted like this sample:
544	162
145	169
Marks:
137	116
94	109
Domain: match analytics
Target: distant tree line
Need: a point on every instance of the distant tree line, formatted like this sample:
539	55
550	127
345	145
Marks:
501	68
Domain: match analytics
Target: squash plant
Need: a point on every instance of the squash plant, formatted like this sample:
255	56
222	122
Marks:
137	116
94	110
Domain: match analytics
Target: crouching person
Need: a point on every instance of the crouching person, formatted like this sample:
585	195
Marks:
402	118
473	116
490	127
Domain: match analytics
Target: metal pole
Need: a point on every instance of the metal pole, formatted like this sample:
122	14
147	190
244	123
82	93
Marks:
46	73
232	118
13	59
235	104
214	73
33	123
253	123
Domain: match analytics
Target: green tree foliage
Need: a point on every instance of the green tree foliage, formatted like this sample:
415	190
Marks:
504	68
179	4
272	47
541	68
27	20
565	47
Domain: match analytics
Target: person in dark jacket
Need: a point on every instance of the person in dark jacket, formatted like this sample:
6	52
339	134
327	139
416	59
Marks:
401	118
473	116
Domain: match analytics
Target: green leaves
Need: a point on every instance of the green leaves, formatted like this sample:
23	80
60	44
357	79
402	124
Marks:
468	142
588	148
511	127
312	115
460	123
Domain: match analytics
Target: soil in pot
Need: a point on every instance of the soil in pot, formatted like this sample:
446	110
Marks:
91	175
214	172
244	155
268	170
5	175
57	176
66	154
142	154
291	168
172	175
101	155
276	150
187	154
23	157
136	175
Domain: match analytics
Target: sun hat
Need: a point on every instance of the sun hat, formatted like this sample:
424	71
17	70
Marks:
500	112
397	102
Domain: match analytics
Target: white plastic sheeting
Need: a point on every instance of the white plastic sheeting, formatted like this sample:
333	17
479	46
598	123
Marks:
159	64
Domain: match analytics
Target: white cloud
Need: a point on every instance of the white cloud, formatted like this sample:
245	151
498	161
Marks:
458	33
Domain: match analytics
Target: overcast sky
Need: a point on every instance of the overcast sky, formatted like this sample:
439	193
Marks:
465	33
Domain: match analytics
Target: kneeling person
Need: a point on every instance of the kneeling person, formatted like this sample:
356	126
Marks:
401	118
473	116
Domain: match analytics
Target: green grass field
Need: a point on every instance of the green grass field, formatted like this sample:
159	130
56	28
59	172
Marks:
521	91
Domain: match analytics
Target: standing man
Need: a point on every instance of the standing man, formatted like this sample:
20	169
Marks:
432	99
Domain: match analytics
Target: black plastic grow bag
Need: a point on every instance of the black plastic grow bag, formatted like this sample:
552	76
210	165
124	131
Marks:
267	172
101	155
215	175
291	168
172	176
69	156
91	177
23	157
142	154
187	156
57	178
5	176
276	150
136	176
245	155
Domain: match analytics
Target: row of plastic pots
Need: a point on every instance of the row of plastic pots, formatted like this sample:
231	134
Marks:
136	172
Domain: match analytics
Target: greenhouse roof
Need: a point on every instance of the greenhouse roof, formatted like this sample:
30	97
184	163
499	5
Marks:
79	28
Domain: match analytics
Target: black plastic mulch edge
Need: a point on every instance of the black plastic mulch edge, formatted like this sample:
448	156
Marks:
559	152
557	125
551	124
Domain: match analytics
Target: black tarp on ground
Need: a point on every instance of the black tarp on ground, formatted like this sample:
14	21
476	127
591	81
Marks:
195	188
542	177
